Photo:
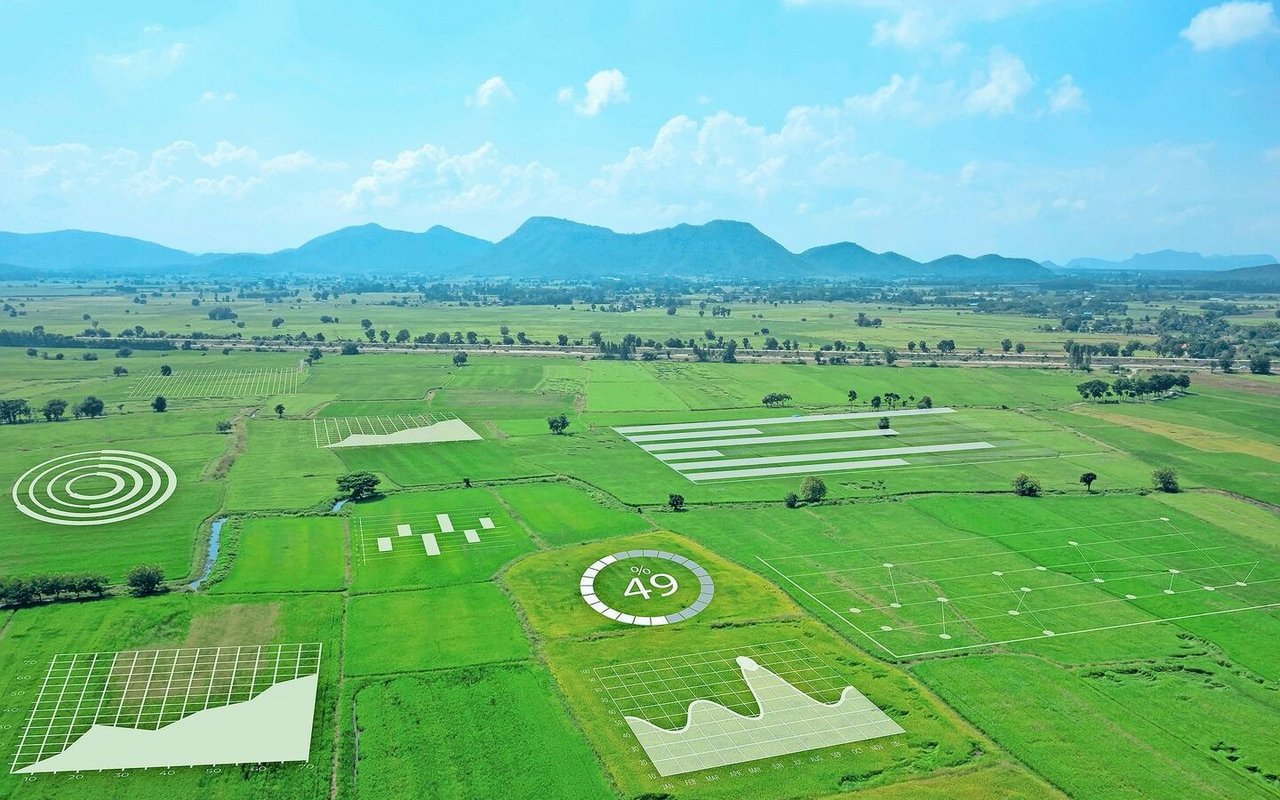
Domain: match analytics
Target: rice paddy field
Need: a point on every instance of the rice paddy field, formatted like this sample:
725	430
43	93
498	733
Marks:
523	615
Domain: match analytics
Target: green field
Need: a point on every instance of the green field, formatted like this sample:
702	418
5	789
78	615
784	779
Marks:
460	658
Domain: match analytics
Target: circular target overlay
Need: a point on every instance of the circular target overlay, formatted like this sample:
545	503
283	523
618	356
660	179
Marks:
646	587
96	487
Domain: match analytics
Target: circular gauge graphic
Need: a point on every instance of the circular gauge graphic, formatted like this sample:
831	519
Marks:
97	487
647	587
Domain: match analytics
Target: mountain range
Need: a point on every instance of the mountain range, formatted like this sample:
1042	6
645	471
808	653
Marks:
1169	260
546	247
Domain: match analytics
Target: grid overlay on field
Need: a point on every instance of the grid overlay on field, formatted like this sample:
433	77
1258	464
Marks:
331	430
768	447
660	692
220	383
432	533
922	598
148	689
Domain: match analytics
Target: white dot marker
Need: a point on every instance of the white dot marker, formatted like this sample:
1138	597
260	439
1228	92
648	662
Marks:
998	574
1014	612
1168	591
942	599
1175	571
1098	580
1073	544
887	565
1024	588
1241	583
895	605
1047	633
1042	569
1130	597
1209	588
1164	519
855	610
944	636
886	628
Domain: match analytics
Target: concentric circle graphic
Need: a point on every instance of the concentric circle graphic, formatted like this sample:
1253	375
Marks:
706	588
57	490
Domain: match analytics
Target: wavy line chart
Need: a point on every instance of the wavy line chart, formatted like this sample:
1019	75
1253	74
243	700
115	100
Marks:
758	712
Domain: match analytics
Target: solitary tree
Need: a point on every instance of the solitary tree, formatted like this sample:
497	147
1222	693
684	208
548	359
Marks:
1026	486
350	349
876	402
459	358
883	423
166	370
675	502
558	424
358	485
1165	479
314	355
925	402
813	489
224	426
159	404
145	579
1006	345
1260	365
853	396
1087	479
280	410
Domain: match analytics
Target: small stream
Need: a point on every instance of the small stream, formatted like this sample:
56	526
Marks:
215	539
338	506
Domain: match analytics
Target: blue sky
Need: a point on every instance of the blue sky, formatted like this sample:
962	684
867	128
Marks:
1043	128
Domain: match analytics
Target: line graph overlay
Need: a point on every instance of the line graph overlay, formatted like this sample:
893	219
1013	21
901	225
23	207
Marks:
168	708
220	383
407	428
710	709
922	598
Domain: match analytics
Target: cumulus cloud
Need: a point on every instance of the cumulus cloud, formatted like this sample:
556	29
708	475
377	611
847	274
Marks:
145	62
1230	23
1066	96
490	91
606	87
433	178
913	28
1005	83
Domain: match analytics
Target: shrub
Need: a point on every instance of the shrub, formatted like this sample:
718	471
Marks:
883	424
145	579
792	499
1026	486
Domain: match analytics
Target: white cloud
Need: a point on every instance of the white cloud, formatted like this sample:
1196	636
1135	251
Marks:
914	28
434	179
1066	96
897	98
491	90
146	61
212	98
1005	83
1272	155
1230	23
606	87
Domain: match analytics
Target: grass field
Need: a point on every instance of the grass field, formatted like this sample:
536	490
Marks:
462	660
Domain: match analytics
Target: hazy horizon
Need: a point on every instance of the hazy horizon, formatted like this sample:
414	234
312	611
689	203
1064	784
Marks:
1049	129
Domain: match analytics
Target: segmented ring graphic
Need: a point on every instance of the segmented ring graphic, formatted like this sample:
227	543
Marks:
140	483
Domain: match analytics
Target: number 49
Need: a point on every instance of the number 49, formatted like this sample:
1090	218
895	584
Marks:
661	582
